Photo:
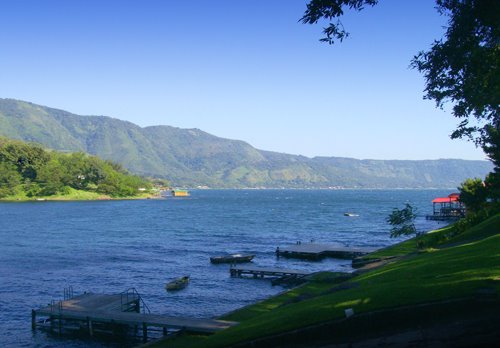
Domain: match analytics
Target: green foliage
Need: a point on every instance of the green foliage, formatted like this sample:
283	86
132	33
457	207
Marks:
27	158
492	183
476	226
319	9
431	239
33	189
119	184
492	149
402	221
491	144
37	172
9	179
474	218
464	67
50	177
473	194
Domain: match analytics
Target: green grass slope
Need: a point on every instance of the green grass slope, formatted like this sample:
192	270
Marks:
463	267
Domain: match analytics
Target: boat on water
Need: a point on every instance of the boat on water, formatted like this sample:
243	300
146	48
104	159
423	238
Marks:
350	214
232	258
177	284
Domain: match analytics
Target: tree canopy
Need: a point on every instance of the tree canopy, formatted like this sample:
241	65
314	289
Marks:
402	221
30	170
464	67
330	9
473	194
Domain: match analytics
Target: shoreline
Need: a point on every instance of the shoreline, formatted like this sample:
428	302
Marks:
383	320
383	261
76	199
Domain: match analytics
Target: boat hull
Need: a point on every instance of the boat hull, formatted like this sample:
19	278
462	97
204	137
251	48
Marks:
232	259
177	284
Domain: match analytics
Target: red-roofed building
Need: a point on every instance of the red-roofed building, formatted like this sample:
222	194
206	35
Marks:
447	208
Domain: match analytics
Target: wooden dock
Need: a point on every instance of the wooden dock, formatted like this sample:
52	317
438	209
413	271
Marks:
261	272
91	310
317	251
438	217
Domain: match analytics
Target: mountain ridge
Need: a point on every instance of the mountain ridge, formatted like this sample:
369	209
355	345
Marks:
192	157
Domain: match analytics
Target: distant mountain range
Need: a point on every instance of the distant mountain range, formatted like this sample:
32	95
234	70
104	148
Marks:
191	157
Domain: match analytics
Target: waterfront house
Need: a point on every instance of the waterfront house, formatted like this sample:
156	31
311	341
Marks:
447	208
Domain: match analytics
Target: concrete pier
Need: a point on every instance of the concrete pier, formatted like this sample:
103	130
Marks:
91	310
317	251
261	272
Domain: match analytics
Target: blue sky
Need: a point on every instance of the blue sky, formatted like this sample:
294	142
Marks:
243	70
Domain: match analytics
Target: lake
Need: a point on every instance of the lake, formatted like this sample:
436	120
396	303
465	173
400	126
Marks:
110	246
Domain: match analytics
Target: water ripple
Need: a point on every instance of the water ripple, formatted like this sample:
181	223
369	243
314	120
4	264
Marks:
107	247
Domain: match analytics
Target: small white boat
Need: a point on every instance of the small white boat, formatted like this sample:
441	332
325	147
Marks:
350	214
177	284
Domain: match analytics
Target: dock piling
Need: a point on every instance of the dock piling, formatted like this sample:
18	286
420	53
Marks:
33	319
89	327
260	272
316	251
144	332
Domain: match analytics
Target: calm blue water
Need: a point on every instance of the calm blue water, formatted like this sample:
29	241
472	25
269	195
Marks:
109	246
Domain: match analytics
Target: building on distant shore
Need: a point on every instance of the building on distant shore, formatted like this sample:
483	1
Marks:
180	193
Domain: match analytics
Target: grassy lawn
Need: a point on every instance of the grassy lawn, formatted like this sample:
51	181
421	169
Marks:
71	195
452	268
431	239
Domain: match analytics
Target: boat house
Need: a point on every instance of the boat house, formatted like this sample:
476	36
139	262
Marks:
180	193
447	208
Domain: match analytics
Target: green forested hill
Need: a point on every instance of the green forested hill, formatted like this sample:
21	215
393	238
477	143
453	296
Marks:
191	157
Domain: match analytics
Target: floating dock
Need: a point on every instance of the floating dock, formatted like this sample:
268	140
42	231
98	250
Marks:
317	251
261	272
90	311
438	217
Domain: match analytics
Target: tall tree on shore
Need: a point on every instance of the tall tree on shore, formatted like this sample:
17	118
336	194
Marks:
473	194
462	68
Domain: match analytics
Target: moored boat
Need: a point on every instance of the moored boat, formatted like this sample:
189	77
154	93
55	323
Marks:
177	284
232	258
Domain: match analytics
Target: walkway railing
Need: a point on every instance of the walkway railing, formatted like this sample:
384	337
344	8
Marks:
68	293
132	295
